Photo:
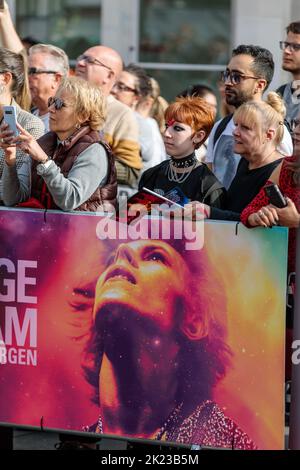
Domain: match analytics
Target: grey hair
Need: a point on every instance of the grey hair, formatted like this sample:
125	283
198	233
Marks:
56	55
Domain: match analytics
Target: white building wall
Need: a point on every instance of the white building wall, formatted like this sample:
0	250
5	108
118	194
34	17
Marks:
263	23
119	26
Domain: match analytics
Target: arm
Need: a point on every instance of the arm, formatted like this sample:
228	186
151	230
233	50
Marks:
217	198
86	175
259	213
289	216
16	183
220	214
8	34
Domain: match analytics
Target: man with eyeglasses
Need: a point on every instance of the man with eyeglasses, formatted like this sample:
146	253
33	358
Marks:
102	66
47	66
247	76
291	63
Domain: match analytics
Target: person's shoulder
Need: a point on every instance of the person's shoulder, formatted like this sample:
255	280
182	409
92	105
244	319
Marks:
291	159
31	122
226	430
155	168
115	106
147	174
280	90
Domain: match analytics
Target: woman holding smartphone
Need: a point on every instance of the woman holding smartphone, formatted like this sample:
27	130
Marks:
70	167
14	91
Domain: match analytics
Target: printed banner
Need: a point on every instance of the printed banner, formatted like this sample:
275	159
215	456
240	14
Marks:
153	331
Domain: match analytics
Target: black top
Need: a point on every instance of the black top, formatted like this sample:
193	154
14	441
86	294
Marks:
243	189
201	185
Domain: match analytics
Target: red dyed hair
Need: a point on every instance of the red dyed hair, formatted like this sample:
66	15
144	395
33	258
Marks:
193	111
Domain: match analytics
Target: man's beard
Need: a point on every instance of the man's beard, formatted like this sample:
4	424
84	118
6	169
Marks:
237	99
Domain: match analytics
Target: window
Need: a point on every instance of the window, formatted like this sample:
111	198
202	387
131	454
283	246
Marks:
73	25
184	41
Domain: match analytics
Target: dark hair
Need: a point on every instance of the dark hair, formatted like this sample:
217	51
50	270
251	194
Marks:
15	64
202	362
263	64
293	27
30	40
196	90
143	83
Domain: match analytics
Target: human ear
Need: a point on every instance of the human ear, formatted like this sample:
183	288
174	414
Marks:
261	85
7	78
270	134
199	137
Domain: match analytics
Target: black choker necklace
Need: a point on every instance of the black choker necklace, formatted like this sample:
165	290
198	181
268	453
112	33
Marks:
185	162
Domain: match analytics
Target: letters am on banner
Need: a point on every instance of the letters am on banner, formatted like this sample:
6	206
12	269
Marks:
178	338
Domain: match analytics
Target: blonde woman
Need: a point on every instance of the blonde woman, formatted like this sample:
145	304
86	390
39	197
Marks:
258	131
70	167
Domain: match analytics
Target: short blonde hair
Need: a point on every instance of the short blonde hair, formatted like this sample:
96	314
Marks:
264	115
89	101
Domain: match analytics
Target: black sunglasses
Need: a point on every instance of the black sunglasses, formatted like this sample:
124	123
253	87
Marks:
35	71
235	77
57	102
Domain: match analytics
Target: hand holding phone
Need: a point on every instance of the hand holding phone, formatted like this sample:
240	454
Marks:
10	117
275	196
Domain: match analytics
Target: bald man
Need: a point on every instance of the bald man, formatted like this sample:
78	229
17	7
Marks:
102	66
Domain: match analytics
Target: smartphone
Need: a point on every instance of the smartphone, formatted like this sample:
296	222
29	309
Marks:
275	196
10	117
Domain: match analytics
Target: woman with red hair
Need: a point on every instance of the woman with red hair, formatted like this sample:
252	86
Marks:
182	178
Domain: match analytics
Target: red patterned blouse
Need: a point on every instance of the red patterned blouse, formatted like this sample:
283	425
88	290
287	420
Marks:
289	189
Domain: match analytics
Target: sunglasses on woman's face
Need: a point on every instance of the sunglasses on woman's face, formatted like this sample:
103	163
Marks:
57	102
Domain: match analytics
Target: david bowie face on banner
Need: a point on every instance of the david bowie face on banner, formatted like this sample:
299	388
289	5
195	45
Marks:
157	346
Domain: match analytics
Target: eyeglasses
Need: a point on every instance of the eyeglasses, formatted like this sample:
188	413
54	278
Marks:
235	77
122	87
92	61
58	103
292	46
35	71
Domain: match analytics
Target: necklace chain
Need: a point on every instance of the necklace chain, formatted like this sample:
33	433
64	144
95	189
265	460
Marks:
172	174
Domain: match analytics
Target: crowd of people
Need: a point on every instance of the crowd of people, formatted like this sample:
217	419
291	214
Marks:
85	140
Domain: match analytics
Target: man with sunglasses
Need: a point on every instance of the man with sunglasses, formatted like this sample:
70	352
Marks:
47	66
247	76
291	63
102	66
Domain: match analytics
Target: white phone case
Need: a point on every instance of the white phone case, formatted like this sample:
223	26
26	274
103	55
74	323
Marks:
10	117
